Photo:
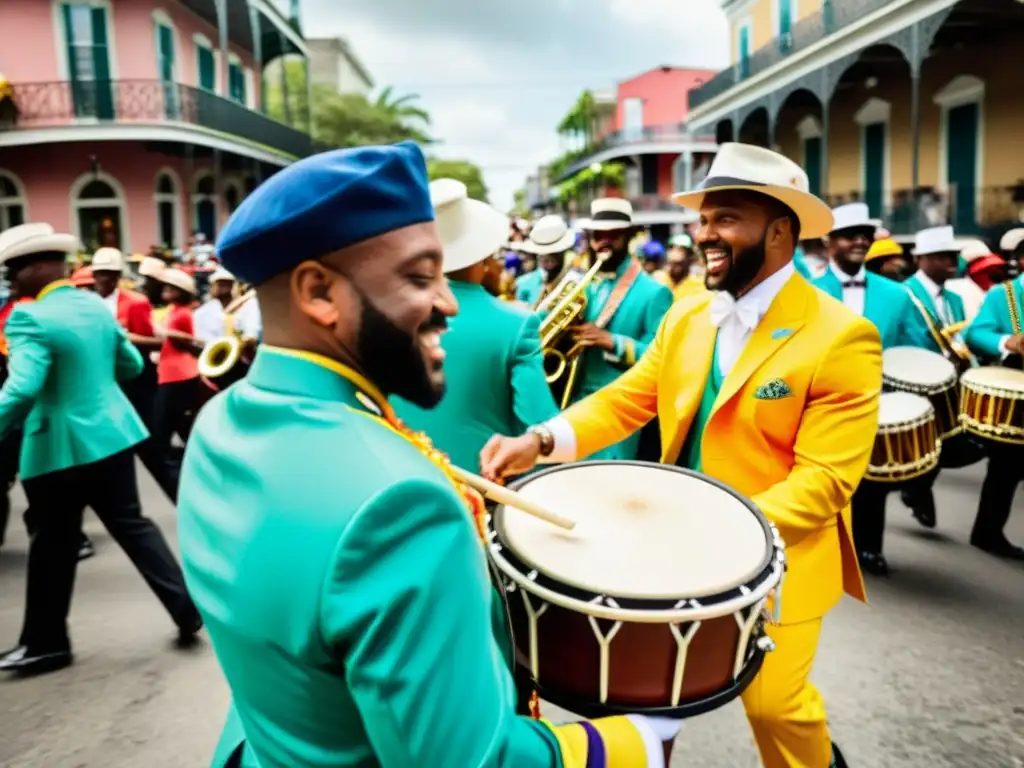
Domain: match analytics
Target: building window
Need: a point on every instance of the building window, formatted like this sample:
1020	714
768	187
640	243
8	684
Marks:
168	209
204	205
206	64
99	211
233	195
744	36
785	20
166	62
88	58
12	201
810	132
236	80
633	118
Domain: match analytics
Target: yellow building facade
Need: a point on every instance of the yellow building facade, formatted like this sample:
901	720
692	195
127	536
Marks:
913	106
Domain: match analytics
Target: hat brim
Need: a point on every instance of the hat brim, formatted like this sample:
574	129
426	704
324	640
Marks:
986	262
866	224
1011	240
608	225
55	243
486	232
563	244
815	217
954	251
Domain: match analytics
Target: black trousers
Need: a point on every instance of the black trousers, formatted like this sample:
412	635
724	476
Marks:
175	407
108	486
142	392
1005	473
868	509
10	456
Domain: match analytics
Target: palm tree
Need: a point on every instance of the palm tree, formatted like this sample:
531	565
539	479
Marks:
401	108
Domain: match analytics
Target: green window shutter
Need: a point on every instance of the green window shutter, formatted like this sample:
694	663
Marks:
101	64
744	51
812	164
236	83
207	69
165	53
78	97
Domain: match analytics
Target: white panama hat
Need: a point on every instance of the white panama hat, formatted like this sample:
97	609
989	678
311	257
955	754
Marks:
470	230
608	213
745	166
1011	240
853	216
108	260
28	239
551	235
178	279
151	266
220	274
936	240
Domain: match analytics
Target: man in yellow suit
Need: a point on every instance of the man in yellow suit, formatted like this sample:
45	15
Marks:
765	384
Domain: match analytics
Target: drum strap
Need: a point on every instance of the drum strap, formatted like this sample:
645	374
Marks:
1011	305
619	293
948	349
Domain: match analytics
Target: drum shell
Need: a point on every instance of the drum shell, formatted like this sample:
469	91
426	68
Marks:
944	400
992	415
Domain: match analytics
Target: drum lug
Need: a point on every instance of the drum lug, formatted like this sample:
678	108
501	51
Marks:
765	644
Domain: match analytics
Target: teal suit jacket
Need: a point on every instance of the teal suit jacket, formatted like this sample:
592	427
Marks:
67	354
954	305
529	287
495	375
886	304
992	322
633	326
343	585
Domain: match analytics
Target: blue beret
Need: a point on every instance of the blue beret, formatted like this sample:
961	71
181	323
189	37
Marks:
653	250
322	204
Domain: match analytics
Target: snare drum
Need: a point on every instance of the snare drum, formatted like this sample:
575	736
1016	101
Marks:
907	445
655	602
929	374
992	404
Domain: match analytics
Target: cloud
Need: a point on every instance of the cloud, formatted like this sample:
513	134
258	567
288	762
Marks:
498	77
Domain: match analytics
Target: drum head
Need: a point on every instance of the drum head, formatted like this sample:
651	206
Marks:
918	367
996	378
902	408
643	531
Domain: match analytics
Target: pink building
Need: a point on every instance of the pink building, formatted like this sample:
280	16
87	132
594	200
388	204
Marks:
137	123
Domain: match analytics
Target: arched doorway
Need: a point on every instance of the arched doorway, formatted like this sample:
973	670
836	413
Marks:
167	196
13	204
204	205
99	213
233	195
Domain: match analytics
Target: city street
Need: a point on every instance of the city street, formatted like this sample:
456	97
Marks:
931	675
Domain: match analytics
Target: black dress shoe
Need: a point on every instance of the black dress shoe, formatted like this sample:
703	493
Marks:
85	549
188	631
24	661
922	505
999	547
838	761
873	563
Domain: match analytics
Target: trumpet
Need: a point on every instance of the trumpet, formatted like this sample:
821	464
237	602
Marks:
955	349
223	361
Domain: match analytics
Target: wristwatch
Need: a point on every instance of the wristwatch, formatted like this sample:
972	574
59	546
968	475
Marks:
547	440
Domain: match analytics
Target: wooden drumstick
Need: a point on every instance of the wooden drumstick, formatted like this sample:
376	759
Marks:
510	498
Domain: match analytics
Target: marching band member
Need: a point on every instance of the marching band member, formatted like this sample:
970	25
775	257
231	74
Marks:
67	353
677	275
625	306
1012	244
984	269
495	371
994	336
378	621
888	306
938	255
211	320
786	414
550	241
885	257
82	278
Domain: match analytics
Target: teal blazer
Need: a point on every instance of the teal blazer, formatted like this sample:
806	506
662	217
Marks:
67	354
633	326
529	287
343	585
954	304
887	305
495	375
800	265
992	322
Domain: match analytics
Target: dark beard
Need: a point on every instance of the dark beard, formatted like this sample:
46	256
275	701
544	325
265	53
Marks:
392	360
743	267
614	261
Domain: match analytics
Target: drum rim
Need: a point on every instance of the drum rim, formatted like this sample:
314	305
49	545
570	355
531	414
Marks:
992	390
912	388
661	609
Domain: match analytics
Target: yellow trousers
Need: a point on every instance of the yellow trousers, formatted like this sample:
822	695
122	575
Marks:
785	711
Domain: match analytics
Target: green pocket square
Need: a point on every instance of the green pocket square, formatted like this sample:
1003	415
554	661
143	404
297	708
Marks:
776	389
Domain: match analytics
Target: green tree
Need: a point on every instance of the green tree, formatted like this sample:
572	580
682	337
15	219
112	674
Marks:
461	170
349	120
295	83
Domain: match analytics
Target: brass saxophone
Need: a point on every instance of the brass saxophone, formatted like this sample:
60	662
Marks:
565	307
955	350
222	360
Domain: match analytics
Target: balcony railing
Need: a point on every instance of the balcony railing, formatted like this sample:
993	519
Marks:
833	16
149	102
671	132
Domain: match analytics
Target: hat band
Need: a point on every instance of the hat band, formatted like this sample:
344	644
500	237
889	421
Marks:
729	181
612	216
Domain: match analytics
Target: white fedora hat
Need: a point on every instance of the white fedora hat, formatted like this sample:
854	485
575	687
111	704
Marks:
180	280
935	240
27	239
853	216
221	274
744	166
151	266
470	230
551	235
1011	240
607	213
107	260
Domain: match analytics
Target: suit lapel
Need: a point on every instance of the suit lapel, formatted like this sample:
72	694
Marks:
788	312
875	309
829	283
695	358
918	289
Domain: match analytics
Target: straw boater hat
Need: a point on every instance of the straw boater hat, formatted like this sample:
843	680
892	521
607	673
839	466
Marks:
222	275
744	166
29	239
608	213
178	279
470	230
152	266
1011	240
935	240
108	260
550	235
853	216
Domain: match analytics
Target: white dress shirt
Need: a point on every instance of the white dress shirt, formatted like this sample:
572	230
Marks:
736	320
209	320
111	302
972	294
853	296
935	291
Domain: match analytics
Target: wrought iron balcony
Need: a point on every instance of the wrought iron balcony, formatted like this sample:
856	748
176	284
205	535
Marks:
833	16
149	102
652	134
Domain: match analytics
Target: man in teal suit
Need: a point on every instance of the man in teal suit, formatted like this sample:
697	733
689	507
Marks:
67	354
886	304
996	336
340	570
494	371
551	241
624	309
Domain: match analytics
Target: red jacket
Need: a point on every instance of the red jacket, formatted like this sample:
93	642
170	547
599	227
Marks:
5	313
135	313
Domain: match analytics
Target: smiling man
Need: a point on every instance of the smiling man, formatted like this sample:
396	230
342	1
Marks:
769	386
339	565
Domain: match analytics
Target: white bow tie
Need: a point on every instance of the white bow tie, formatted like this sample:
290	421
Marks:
724	306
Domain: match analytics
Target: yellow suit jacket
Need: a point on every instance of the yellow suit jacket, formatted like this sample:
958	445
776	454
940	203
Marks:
799	457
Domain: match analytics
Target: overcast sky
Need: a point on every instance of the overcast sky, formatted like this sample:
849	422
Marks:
497	77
